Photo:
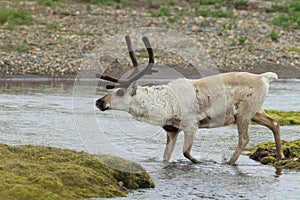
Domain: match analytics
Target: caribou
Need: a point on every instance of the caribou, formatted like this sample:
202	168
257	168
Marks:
189	104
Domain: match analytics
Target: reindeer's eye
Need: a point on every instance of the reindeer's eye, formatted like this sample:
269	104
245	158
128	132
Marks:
120	92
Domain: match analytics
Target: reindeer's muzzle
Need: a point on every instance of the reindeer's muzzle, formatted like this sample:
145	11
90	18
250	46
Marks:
101	105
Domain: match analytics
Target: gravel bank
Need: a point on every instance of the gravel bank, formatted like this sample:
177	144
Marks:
61	35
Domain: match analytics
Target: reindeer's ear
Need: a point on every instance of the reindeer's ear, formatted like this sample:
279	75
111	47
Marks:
133	89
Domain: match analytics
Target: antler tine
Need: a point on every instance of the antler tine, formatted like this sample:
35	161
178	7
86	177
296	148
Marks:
150	63
132	57
130	51
134	76
149	49
134	62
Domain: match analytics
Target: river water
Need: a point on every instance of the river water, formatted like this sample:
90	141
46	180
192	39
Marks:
56	113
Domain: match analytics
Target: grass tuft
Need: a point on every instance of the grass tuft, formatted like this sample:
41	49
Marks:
274	35
222	13
22	48
12	18
99	2
242	39
49	3
282	20
290	16
162	11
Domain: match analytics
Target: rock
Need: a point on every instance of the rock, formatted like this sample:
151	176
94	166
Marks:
268	160
261	153
266	154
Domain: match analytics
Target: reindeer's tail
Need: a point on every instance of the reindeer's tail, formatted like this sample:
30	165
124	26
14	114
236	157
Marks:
269	76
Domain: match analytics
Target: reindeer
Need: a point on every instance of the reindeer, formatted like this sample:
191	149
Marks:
186	105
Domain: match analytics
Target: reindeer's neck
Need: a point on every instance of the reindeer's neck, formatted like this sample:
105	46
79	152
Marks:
154	105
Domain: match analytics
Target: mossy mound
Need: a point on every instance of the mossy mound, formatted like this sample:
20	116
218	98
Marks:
39	172
129	174
266	154
285	117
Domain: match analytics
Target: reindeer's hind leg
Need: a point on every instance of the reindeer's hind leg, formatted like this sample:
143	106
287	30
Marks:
242	126
263	119
171	140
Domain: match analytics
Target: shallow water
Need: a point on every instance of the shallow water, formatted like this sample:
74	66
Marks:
58	114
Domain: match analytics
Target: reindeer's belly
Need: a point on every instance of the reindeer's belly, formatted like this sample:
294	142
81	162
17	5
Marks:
214	123
214	120
170	128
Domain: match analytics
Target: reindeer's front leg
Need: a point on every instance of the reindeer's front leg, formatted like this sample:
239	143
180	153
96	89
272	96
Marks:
171	140
189	137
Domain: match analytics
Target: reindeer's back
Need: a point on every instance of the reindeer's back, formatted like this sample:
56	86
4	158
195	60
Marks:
233	81
231	93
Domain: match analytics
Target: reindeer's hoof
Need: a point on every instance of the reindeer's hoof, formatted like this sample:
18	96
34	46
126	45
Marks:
190	157
166	164
280	157
231	163
194	160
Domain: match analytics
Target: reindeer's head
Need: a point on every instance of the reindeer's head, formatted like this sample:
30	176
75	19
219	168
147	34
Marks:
119	98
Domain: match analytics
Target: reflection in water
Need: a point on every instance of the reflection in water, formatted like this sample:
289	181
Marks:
32	87
42	113
278	171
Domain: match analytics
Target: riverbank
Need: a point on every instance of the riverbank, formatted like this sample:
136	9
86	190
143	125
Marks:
40	172
237	37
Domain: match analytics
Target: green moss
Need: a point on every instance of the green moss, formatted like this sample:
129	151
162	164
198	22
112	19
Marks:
131	174
265	153
37	172
285	117
268	160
